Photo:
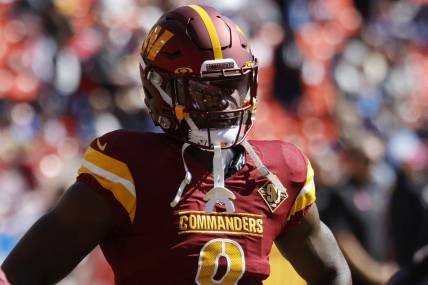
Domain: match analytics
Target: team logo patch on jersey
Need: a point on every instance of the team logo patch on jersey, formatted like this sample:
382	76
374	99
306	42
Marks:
272	196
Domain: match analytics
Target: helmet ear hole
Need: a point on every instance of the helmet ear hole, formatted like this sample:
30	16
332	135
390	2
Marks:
164	122
155	78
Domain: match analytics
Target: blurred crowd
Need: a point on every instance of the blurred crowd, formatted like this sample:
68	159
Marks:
344	80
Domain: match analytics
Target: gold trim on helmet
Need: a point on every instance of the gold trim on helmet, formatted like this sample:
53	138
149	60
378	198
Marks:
212	32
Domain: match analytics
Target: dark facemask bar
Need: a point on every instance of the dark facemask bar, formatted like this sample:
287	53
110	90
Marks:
226	73
241	134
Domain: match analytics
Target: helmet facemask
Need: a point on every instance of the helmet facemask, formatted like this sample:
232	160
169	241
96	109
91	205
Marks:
216	110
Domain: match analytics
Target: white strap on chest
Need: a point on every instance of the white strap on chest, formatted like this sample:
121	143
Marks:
185	181
262	168
218	167
219	193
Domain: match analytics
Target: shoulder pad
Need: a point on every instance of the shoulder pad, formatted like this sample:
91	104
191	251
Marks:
102	160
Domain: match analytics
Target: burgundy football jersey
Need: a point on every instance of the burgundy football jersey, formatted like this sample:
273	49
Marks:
154	243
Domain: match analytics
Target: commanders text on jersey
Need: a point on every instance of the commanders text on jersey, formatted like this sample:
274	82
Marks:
230	223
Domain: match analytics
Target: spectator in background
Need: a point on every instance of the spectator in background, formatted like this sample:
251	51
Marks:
416	273
409	204
382	92
287	61
406	213
423	134
359	221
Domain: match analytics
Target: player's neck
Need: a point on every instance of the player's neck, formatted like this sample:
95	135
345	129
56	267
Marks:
206	158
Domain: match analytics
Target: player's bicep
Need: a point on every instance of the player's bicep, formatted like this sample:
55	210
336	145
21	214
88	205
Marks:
56	243
312	250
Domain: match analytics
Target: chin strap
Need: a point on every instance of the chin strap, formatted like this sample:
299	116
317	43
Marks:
262	168
219	194
186	180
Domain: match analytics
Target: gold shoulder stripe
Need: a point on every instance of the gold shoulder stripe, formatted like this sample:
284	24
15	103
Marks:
302	202
108	163
309	173
306	195
212	32
121	193
112	175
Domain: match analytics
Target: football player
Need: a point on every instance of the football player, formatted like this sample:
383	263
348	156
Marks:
198	204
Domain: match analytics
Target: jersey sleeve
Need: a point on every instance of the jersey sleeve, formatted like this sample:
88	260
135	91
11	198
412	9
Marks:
104	165
306	196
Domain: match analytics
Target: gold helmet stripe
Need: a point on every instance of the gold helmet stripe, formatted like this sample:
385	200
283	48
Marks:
212	32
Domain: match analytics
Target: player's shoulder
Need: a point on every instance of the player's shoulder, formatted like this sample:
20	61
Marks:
125	138
109	163
125	143
284	155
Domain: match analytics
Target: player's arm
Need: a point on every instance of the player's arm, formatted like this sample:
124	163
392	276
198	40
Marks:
59	240
312	250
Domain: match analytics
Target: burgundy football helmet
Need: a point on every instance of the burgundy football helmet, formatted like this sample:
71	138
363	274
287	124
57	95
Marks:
199	77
